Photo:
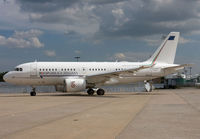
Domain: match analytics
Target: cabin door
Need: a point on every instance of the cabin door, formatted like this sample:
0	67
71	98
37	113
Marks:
33	69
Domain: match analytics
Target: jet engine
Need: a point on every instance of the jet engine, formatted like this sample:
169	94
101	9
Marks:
72	85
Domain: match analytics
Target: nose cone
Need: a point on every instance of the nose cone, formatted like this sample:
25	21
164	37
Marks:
10	77
5	77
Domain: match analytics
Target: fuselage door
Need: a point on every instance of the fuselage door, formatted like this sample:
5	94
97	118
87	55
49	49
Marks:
33	69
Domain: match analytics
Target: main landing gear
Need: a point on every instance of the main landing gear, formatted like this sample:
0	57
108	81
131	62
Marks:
99	91
90	92
33	92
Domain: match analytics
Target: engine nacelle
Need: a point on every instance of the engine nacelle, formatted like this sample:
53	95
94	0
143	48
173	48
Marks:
75	85
72	85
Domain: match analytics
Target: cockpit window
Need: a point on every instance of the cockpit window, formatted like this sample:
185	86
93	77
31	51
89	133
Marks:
18	69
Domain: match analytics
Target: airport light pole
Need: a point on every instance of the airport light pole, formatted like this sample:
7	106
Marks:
77	58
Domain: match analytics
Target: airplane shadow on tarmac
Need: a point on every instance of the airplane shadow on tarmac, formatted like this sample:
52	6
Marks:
80	95
107	95
57	95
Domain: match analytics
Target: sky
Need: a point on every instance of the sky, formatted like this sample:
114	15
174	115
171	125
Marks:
96	30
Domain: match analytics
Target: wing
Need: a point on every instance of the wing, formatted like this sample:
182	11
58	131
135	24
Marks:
101	78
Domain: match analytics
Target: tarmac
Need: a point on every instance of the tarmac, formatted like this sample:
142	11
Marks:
161	114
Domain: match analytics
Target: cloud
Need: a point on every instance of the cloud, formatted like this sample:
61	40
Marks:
28	34
184	40
108	19
119	56
45	6
77	51
50	53
22	39
68	16
120	18
118	12
154	40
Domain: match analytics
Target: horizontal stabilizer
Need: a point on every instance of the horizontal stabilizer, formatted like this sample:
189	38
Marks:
179	67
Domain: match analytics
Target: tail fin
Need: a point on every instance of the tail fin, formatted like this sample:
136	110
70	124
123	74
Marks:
166	52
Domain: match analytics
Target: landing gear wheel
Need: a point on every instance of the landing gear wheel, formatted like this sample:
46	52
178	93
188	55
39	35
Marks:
90	91
33	93
100	92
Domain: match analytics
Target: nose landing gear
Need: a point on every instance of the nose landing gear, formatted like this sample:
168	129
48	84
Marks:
90	91
100	92
33	92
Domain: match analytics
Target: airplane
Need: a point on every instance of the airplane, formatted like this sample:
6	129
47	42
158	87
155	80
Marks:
79	76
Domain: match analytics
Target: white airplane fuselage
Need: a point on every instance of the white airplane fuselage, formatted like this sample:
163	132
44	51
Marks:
54	73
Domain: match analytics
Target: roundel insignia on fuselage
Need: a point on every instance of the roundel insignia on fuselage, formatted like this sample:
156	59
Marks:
73	85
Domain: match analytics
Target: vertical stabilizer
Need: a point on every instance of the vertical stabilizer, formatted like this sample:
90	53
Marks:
167	51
